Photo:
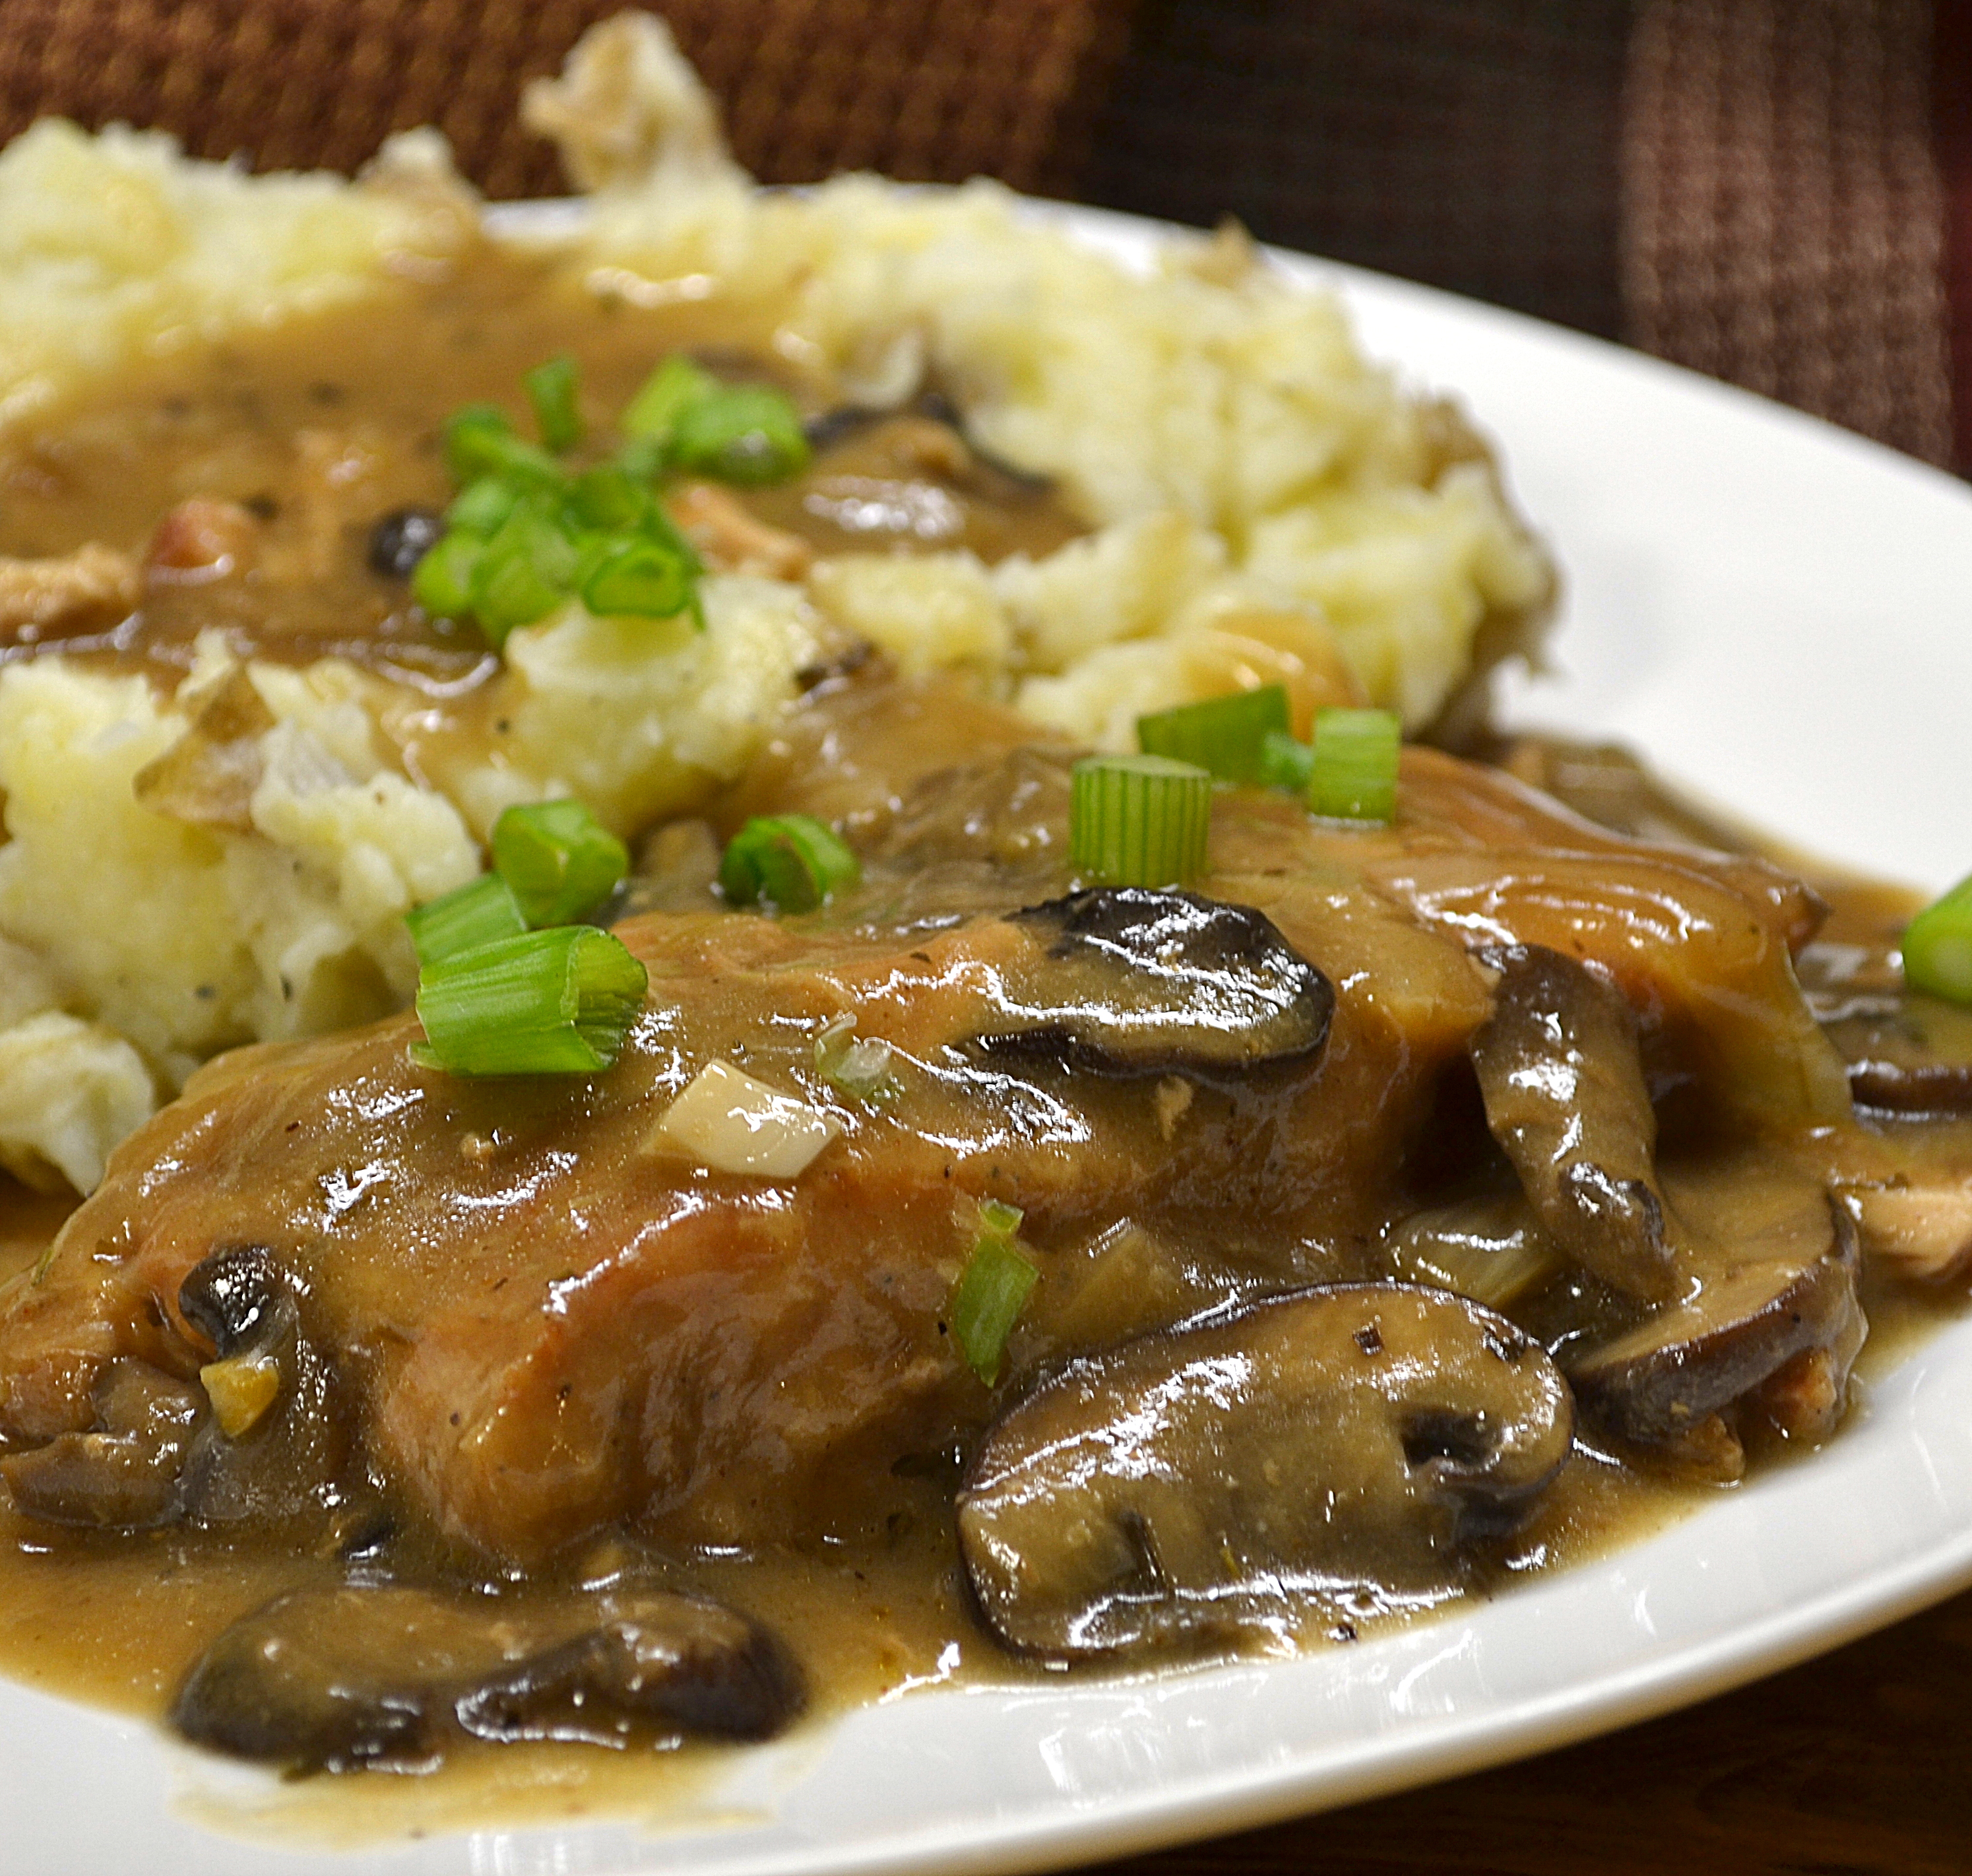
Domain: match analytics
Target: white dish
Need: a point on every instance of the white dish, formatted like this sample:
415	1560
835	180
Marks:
1781	616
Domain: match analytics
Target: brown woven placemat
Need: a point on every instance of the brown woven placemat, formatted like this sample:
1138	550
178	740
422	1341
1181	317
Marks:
929	89
1470	143
1783	222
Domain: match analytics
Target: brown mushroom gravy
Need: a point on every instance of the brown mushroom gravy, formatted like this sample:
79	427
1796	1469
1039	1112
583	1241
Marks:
1413	1206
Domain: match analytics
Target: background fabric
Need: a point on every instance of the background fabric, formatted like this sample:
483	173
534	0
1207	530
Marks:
1778	192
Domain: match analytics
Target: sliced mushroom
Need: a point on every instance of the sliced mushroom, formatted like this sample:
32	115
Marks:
1559	1069
1907	1053
1141	983
1730	1343
659	1663
125	1473
1195	1482
329	1679
280	1436
1914	1058
401	539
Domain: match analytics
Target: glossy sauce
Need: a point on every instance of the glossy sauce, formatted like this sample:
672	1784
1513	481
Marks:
319	430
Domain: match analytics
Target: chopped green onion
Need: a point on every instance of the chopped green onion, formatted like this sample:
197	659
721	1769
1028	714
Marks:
791	862
996	1215
642	459
1354	774
551	391
1139	820
561	862
674	386
1227	735
685	418
480	441
441	582
636	579
748	434
857	1066
1938	946
547	1002
482	507
1286	763
527	570
608	500
987	1301
481	912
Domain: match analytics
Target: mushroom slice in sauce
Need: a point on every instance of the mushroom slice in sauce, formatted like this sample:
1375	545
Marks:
1778	1329
126	1472
329	1679
1194	1481
1145	983
278	1437
1559	1069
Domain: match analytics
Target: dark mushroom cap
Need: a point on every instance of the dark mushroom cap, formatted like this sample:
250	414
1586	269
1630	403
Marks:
1137	981
329	1679
1742	1324
1194	1481
248	1304
126	1473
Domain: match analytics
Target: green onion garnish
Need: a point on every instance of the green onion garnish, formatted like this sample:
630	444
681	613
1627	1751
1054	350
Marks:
1139	820
441	582
987	1300
561	862
1227	735
750	434
479	441
676	383
527	570
551	391
857	1066
1354	774
636	579
1938	946
1286	763
996	1215
606	499
547	1002
791	862
523	538
481	912
482	507
687	419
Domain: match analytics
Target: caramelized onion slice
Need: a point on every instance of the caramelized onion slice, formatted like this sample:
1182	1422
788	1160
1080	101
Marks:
1195	1481
329	1679
1134	981
1563	1085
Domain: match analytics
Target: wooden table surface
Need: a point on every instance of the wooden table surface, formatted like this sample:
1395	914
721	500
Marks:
1857	1764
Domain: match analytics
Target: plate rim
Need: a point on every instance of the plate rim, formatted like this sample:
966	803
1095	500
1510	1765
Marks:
1213	1805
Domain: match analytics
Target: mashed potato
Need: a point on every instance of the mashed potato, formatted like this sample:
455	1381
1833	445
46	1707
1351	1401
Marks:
1263	504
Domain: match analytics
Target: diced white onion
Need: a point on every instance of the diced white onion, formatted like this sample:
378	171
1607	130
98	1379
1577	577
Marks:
730	1122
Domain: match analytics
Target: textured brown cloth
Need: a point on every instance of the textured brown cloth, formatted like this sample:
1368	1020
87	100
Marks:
1783	224
1750	187
1470	143
925	89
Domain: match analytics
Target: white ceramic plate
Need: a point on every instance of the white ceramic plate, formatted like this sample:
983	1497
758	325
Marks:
1782	616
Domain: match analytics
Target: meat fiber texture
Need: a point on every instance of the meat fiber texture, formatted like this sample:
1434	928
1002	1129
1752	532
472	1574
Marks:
1263	503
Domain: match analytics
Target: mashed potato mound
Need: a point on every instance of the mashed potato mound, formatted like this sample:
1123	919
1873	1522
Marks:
1264	505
